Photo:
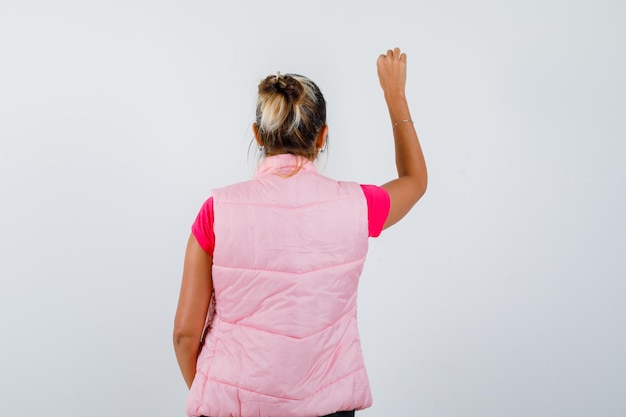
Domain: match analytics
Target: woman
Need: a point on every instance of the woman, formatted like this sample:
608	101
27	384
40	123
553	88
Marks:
282	255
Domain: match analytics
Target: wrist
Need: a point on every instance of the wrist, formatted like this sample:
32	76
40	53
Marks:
391	96
400	122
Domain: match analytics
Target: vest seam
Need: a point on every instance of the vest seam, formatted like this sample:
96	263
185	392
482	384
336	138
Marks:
362	366
349	312
273	204
361	259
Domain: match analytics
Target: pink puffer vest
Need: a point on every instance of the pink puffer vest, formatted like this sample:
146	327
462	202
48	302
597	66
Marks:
284	340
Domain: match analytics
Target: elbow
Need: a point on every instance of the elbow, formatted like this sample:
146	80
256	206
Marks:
419	183
182	336
419	193
423	182
423	186
420	187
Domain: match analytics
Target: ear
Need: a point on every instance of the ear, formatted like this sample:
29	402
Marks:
255	130
321	138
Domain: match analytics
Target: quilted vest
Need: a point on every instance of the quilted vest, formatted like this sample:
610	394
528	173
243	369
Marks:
289	250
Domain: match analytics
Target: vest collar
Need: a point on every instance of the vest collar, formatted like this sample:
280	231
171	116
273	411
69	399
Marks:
284	163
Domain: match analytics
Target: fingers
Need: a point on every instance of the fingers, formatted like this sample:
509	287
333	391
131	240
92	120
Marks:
394	54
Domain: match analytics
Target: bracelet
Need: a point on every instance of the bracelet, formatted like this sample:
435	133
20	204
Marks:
396	124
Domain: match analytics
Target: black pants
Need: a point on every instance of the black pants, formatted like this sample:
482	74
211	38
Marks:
339	414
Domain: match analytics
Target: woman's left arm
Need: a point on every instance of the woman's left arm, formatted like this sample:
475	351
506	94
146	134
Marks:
193	305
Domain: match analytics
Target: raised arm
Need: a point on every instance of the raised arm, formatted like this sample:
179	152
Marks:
410	185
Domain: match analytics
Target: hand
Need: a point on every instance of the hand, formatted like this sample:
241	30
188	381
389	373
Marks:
392	71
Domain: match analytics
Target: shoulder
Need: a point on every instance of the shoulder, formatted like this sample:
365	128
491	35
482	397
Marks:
232	190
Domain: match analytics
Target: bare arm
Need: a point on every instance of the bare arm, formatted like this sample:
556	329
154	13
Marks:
412	179
193	305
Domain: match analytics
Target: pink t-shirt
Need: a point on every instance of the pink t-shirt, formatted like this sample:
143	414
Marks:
378	204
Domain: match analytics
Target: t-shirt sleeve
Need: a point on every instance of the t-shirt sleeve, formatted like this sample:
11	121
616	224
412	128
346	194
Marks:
202	228
378	205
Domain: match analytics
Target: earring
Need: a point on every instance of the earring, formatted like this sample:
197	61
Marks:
261	148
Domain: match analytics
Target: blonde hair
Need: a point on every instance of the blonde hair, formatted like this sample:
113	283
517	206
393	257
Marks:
290	113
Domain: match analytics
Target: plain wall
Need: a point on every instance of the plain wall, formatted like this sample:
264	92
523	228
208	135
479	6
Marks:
500	294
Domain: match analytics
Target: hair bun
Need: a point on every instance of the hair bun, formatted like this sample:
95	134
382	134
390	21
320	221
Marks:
285	85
